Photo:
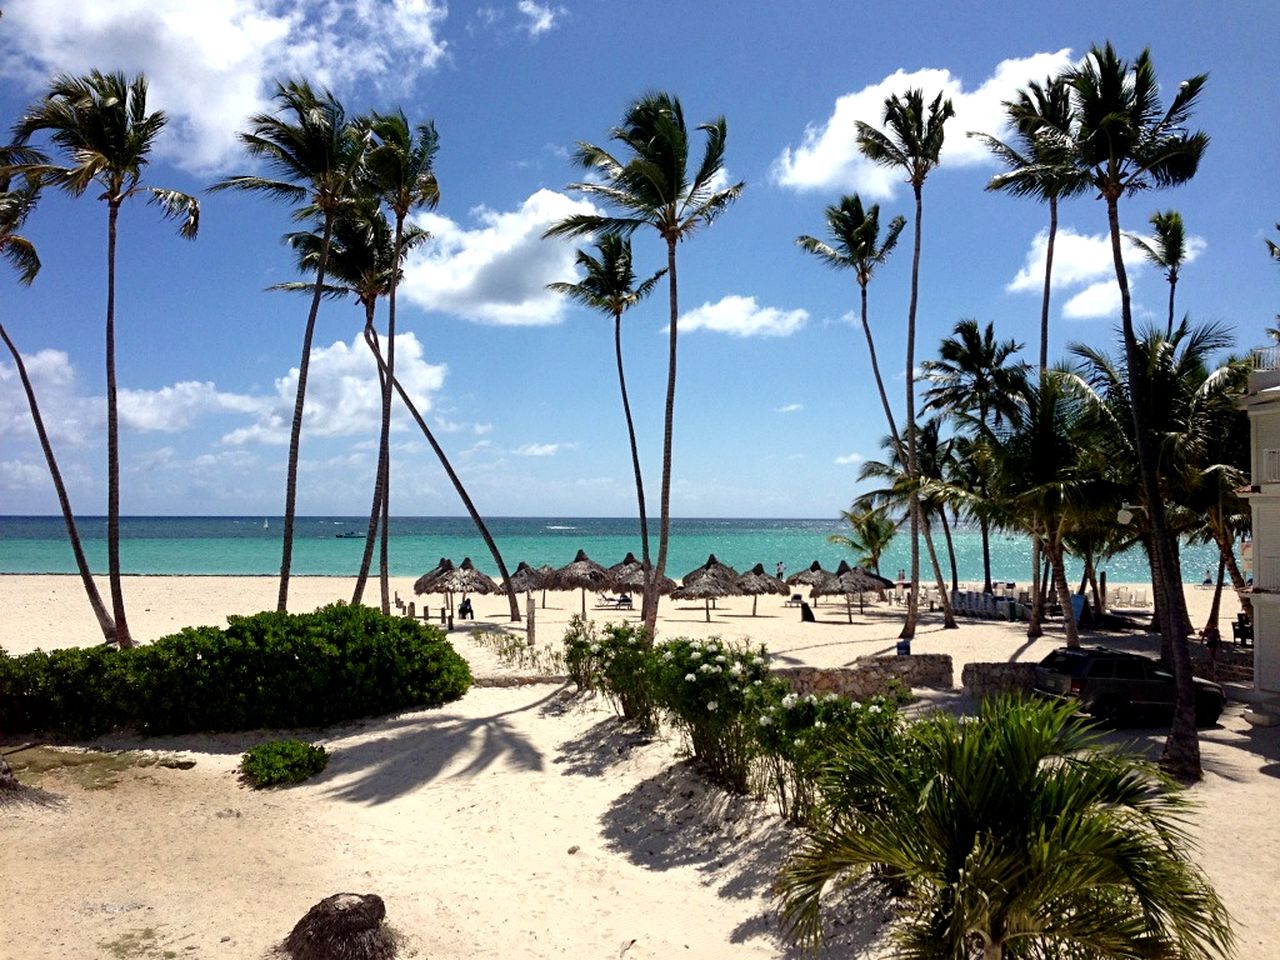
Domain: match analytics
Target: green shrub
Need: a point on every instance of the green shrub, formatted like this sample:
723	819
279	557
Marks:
282	761
797	736
713	692
275	670
582	654
618	663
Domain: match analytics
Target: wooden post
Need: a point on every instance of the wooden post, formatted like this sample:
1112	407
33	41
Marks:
1102	589
530	607
411	613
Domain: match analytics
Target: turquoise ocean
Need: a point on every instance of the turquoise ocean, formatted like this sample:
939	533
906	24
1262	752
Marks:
250	546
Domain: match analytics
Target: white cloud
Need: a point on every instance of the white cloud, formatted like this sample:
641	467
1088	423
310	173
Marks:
496	272
850	458
22	475
480	429
741	317
343	398
67	417
211	64
789	408
540	449
828	157
1097	300
174	408
538	18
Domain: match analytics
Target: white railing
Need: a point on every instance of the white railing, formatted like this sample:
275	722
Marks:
1266	358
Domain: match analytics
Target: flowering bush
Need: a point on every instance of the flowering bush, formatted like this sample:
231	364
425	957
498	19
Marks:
582	654
796	734
714	691
618	662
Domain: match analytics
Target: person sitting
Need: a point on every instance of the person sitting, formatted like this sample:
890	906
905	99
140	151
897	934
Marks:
465	612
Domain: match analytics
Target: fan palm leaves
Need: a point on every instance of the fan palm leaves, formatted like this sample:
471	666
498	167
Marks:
1168	250
99	125
1016	834
609	285
870	533
315	158
912	142
650	187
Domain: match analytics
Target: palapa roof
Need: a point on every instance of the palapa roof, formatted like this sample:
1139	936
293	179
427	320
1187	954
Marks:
707	587
528	578
810	577
713	568
423	583
757	581
581	573
635	581
463	579
849	580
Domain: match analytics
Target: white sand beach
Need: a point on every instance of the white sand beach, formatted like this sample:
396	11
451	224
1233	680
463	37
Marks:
519	821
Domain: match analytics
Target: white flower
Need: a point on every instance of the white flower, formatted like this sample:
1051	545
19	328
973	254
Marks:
720	659
712	706
691	677
789	701
757	683
874	708
736	670
831	696
595	648
766	721
668	656
706	668
757	661
811	698
696	655
818	725
799	742
856	704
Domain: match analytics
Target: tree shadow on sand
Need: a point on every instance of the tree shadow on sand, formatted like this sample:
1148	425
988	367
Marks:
596	749
676	820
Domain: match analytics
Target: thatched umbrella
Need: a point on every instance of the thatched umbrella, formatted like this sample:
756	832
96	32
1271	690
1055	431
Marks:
624	568
423	582
527	579
465	578
755	582
633	582
712	567
849	580
706	588
811	576
581	574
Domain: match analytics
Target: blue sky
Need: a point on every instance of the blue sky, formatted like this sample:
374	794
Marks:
775	404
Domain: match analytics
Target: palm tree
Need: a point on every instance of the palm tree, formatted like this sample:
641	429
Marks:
100	124
870	533
609	286
1130	143
1039	166
402	172
15	207
1020	834
1168	252
974	375
913	142
317	157
652	188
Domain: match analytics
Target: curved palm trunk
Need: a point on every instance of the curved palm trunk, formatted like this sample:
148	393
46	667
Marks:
86	577
984	526
913	605
1181	755
1034	623
1211	631
481	527
123	637
1053	547
1035	620
384	547
651	596
635	452
295	432
951	552
948	615
1227	552
375	511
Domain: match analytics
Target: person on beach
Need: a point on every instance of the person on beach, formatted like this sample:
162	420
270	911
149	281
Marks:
782	569
465	611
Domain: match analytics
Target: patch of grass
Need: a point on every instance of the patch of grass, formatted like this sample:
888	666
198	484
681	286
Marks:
136	943
515	652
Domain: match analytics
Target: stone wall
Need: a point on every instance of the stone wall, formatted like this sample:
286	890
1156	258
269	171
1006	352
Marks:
986	679
870	676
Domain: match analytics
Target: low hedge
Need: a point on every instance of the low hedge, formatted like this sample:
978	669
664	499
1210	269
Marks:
276	670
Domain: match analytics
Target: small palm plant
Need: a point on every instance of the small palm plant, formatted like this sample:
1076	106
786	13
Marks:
1017	834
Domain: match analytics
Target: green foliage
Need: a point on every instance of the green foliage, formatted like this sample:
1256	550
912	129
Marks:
799	735
619	663
1015	833
582	653
282	761
514	651
275	670
714	693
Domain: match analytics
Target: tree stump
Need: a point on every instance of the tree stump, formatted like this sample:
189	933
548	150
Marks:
345	926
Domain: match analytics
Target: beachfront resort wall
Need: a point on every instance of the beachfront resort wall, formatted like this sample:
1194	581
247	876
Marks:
1262	403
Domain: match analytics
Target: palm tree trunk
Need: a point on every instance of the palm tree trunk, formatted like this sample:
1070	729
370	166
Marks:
384	546
635	452
457	484
1168	331
375	511
984	526
1035	620
948	615
1227	552
1053	546
295	432
1211	631
951	552
123	637
86	577
1048	276
1182	748
664	504
913	610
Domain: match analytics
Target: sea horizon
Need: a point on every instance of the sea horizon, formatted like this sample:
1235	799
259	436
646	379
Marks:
332	545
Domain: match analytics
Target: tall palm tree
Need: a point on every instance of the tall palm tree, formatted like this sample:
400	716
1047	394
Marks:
15	206
870	533
402	173
608	285
1168	252
100	125
1020	834
912	142
316	157
1130	143
652	188
975	375
1039	165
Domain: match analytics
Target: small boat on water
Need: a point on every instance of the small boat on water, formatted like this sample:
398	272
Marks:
349	535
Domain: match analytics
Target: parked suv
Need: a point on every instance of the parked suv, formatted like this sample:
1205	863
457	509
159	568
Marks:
1116	686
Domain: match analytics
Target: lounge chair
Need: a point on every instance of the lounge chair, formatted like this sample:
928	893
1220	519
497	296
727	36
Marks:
795	601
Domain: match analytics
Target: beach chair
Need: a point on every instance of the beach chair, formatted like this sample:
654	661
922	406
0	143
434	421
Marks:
1242	630
795	601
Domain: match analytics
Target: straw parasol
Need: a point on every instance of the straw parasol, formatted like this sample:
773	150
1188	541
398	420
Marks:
633	582
712	567
465	578
811	576
527	579
849	580
423	583
756	581
581	574
624	568
707	587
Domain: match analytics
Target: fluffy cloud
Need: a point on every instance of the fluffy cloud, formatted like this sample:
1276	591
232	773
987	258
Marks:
790	408
496	272
542	449
1084	269
68	417
538	18
828	157
174	408
343	398
850	458
211	64
742	317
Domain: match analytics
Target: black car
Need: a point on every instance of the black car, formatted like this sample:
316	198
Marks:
1116	686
